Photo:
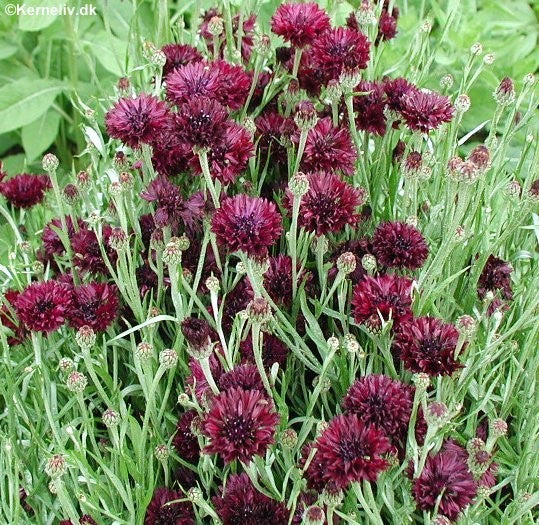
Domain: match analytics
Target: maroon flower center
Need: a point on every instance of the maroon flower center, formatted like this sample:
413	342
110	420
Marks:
44	306
350	449
429	347
246	225
137	121
238	430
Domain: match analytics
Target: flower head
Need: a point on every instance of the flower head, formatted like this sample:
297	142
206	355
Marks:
399	245
87	251
273	351
94	305
370	107
426	344
179	55
244	376
241	424
159	512
298	23
135	121
184	441
348	450
234	84
388	296
196	79
328	148
43	307
426	110
383	402
249	224
24	190
329	205
496	276
239	502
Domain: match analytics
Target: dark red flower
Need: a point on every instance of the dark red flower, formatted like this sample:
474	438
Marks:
383	402
43	307
196	381
159	513
196	79
348	451
170	152
184	441
146	279
369	108
388	296
51	241
249	224
445	478
425	110
395	91
339	50
202	122
235	301
24	190
278	279
179	55
328	149
87	253
244	376
94	305
387	27
240	424
172	209
426	344
270	127
135	121
229	155
8	318
273	351
299	24
234	84
87	519
399	245
329	205
496	276
239	503
197	332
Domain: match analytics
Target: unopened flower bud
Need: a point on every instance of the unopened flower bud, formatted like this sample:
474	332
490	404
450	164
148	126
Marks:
349	80
333	343
194	495
447	81
126	180
289	438
117	239
489	59
76	382
333	91
144	351
249	125
474	445
504	94
213	284
85	337
426	27
299	185
183	399
70	194
351	344
158	58
56	466
314	515
513	189
332	497
66	365
436	414
172	255
320	244
421	381
123	84
215	26
412	165
365	14
110	418
306	116
466	325
462	103
325	383
161	452
50	162
38	267
53	487
441	520
529	79
498	428
460	234
168	358
259	310
476	49
346	263
368	262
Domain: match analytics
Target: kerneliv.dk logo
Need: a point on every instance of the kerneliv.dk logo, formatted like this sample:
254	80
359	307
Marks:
57	10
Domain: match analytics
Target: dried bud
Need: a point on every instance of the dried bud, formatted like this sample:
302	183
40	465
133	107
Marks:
85	337
168	358
161	452
50	162
289	438
76	382
144	351
299	185
56	466
306	116
110	418
504	95
346	263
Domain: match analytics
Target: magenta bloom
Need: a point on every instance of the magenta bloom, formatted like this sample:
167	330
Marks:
234	84
395	91
244	376
229	155
43	307
349	450
196	79
399	245
299	24
159	513
328	149
426	344
329	205
445	474
387	27
249	224
241	424
135	121
496	276
184	441
24	190
179	55
339	50
388	296
369	108
383	402
95	305
239	503
201	122
425	110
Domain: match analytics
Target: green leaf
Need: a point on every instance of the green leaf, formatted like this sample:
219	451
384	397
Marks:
25	100
7	50
108	50
40	19
40	134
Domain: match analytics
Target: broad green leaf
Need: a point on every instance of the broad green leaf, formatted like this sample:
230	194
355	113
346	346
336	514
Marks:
109	51
7	50
25	100
14	163
41	18
7	141
40	134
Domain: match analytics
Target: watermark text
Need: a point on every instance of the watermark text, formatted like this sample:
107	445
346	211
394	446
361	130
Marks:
56	10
